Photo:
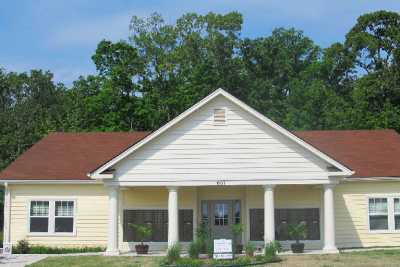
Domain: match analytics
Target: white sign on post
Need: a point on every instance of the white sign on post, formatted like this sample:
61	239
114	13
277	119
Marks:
222	249
7	248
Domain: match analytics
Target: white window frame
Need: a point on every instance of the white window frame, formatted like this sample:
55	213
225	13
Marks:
35	216
390	213
394	215
51	216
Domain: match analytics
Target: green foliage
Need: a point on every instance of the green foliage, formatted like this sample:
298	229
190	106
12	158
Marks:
203	238
173	254
250	248
239	261
194	249
23	247
272	248
162	69
35	249
237	229
188	262
297	231
142	231
210	248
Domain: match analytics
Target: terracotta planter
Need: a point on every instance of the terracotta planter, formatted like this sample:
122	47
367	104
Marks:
297	247
142	249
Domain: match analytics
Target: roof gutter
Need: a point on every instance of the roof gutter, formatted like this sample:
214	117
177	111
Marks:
4	182
371	179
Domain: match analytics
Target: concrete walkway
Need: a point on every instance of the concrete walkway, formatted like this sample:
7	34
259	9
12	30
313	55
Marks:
20	260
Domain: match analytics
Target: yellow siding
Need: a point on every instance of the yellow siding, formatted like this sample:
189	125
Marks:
287	196
351	212
351	209
91	213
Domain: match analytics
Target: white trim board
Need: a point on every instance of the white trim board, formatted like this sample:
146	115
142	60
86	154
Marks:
97	174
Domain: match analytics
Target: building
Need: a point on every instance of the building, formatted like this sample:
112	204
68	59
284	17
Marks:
219	162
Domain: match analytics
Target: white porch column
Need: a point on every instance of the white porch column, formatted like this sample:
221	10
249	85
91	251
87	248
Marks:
329	219
269	214
112	242
6	223
173	231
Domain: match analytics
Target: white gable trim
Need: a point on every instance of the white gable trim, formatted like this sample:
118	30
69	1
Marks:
97	174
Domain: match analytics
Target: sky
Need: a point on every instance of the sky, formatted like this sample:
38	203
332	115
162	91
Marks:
61	36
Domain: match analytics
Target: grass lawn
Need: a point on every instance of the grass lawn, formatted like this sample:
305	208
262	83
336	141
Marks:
357	259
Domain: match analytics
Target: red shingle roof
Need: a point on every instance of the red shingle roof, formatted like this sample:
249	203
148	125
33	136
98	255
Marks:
70	156
370	153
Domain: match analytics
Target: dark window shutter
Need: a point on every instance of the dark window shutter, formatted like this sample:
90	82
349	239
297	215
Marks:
185	225
158	221
256	224
283	218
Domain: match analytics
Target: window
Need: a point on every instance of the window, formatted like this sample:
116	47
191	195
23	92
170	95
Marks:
237	211
221	214
378	214
39	217
64	217
204	212
51	216
384	213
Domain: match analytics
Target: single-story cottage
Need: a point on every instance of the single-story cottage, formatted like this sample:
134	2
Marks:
220	162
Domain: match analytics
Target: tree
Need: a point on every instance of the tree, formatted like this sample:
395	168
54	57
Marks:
31	107
375	41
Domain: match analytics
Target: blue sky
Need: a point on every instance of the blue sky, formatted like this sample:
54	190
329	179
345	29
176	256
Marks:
61	36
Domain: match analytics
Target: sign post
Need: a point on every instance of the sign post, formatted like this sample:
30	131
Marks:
222	249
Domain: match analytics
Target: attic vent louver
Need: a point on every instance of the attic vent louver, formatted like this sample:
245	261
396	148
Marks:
220	116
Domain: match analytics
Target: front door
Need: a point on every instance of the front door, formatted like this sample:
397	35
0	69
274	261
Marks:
221	215
221	219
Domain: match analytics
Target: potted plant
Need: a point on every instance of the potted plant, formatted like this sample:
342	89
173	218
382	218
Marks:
143	232
297	232
237	230
250	248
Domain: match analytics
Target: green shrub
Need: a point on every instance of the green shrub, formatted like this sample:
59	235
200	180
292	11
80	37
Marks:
173	254
249	248
23	247
194	249
297	231
186	262
203	236
242	261
142	231
63	250
210	248
272	248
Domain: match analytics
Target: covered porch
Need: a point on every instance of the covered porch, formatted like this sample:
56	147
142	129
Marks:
175	212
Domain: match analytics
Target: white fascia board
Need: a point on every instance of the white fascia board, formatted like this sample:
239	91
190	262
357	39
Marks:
344	170
217	183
